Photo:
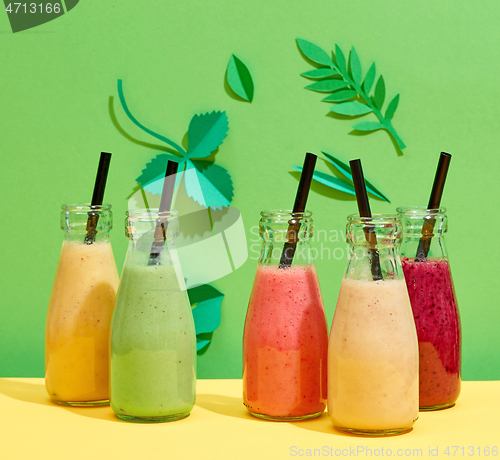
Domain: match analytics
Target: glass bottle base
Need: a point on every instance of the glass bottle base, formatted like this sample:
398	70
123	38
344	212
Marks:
361	432
436	407
286	419
102	402
156	419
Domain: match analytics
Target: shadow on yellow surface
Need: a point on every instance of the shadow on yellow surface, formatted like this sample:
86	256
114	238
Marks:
27	392
233	407
224	405
36	394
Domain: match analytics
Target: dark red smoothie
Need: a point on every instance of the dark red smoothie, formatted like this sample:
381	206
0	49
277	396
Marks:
433	302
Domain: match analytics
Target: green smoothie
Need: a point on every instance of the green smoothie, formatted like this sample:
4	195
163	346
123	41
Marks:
153	345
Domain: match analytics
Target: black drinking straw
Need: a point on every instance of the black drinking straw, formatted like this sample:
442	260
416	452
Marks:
364	211
437	192
97	197
299	206
167	193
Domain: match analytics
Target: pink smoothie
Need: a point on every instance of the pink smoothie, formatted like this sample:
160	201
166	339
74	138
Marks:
433	302
285	344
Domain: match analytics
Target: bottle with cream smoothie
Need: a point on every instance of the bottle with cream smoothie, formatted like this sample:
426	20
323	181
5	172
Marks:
80	310
373	351
153	339
434	305
286	338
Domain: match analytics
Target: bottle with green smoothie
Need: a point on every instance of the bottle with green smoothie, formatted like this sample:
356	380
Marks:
153	339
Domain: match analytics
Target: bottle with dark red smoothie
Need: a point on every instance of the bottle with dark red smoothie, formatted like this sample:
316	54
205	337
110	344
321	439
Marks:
432	296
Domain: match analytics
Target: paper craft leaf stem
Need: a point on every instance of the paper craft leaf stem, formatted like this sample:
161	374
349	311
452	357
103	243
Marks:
206	302
351	79
147	130
340	184
239	79
205	134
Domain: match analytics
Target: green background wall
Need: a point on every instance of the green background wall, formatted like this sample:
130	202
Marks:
57	79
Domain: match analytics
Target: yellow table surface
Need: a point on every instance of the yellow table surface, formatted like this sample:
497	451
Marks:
219	427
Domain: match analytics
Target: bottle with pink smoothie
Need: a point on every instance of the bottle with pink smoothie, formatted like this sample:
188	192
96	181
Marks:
373	351
286	339
432	295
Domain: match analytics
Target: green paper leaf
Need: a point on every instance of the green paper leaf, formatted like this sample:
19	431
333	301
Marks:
343	95
206	302
369	79
361	102
201	343
314	53
218	176
152	176
206	132
345	169
322	72
330	181
156	167
202	190
379	97
353	108
340	58
355	66
327	86
368	126
239	78
393	105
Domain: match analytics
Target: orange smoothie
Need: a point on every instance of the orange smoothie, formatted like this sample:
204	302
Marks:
78	324
373	357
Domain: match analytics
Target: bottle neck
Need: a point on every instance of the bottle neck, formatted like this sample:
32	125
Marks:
86	224
423	232
285	238
374	243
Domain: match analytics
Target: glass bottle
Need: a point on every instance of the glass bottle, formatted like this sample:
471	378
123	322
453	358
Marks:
373	351
434	305
80	309
286	338
153	339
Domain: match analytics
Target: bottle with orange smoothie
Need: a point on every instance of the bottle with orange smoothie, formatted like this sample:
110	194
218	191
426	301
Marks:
286	338
434	304
80	310
373	352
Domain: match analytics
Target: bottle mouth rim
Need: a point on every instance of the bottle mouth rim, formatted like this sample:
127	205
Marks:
376	218
85	207
286	213
150	213
420	211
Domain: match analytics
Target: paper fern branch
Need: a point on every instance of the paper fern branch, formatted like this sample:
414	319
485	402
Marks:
342	185
349	91
208	184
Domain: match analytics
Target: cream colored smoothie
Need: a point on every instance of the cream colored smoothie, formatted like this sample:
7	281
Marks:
373	357
78	321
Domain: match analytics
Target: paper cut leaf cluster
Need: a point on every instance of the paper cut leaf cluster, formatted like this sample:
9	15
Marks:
239	79
211	185
206	302
343	185
349	92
